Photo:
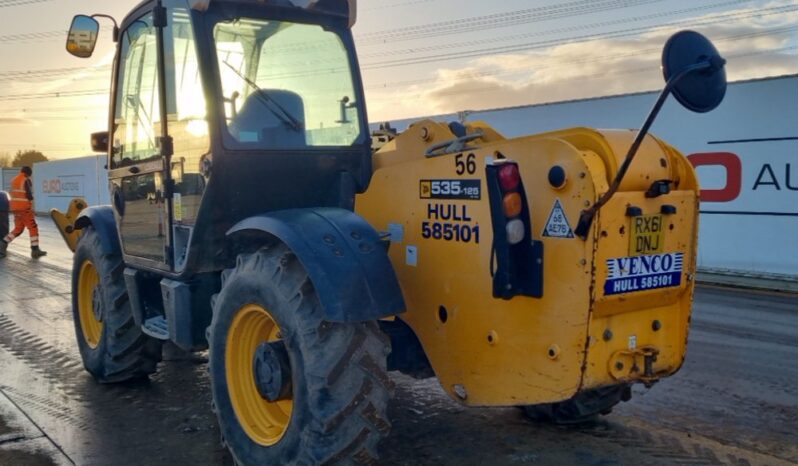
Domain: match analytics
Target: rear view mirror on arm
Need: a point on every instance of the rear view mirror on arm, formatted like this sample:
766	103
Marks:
82	36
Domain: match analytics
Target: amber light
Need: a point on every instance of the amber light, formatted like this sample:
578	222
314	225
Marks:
512	205
509	178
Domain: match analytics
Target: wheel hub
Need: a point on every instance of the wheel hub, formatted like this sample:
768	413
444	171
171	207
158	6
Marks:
96	304
272	371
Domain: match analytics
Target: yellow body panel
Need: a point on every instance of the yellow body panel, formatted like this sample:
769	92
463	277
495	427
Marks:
488	351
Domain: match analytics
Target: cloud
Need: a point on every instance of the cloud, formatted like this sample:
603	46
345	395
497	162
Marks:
754	47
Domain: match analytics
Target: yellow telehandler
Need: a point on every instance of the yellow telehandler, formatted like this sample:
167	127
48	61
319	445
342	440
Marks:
251	216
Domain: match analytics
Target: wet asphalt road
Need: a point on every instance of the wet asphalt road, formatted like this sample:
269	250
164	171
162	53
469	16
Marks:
734	402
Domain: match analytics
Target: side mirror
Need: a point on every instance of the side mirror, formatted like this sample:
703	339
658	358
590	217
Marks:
99	142
701	90
82	36
695	74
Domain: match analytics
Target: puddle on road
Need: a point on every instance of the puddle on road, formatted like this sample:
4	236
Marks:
4	428
167	420
24	458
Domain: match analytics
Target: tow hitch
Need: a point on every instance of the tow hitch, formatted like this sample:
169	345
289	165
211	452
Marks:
625	365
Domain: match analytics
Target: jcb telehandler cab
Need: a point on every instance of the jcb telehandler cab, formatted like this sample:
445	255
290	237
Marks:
250	217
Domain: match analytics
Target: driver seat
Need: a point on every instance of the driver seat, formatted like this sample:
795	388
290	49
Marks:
257	123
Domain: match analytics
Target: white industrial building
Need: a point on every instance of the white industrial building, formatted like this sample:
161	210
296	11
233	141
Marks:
6	175
56	183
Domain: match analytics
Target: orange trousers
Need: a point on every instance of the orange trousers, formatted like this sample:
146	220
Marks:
24	219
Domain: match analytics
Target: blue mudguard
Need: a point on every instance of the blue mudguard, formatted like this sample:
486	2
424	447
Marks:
345	260
101	218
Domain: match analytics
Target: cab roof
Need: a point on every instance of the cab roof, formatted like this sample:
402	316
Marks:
340	8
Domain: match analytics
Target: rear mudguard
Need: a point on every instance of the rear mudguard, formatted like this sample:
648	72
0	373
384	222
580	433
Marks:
342	253
101	218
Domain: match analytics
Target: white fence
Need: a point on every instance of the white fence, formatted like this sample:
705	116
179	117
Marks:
56	183
746	153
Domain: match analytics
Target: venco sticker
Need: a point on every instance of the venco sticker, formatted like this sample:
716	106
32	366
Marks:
640	273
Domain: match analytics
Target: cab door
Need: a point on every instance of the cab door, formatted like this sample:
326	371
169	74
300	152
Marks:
138	170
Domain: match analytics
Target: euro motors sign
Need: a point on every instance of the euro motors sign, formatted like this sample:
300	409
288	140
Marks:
64	186
763	183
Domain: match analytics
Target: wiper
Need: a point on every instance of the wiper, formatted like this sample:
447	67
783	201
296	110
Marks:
283	115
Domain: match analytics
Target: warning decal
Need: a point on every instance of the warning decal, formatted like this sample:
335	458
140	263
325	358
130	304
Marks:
557	225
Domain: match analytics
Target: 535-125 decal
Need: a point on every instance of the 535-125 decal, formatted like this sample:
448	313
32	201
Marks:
468	190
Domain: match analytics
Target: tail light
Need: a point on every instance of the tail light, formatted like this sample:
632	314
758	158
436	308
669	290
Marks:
513	206
516	259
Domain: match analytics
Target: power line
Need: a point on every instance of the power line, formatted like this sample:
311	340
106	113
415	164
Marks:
49	95
500	20
11	3
556	42
64	71
611	72
620	33
52	71
448	56
481	89
48	109
607	58
32	36
60	144
615	22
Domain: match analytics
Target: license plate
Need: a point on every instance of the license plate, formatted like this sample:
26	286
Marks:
648	235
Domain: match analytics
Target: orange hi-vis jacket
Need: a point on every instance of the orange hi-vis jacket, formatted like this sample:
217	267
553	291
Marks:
20	192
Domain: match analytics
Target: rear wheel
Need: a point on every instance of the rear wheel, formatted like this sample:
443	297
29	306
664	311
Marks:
112	347
584	407
288	386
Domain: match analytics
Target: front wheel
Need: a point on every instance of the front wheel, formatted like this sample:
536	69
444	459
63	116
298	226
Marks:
112	347
288	386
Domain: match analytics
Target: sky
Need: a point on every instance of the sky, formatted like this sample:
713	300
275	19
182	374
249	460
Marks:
418	57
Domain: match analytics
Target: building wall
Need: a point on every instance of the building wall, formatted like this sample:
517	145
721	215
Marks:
749	210
56	183
6	175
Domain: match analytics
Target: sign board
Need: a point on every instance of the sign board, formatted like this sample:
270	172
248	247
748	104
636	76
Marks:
57	182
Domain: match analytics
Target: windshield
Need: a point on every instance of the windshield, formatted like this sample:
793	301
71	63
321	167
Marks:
285	86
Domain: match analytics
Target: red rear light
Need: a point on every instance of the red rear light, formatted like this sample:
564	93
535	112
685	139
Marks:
509	177
516	258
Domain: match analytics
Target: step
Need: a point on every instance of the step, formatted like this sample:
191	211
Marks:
156	327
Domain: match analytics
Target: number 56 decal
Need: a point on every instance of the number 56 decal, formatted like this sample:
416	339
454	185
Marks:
468	165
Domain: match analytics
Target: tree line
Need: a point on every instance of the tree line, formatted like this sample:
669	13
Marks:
22	158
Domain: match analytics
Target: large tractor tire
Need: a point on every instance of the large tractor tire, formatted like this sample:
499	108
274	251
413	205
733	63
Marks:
288	386
112	347
584	407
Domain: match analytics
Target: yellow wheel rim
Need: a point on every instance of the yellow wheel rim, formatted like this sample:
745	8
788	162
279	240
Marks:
88	284
264	422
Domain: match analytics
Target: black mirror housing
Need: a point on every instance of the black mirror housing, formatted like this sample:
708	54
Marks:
82	36
99	142
700	91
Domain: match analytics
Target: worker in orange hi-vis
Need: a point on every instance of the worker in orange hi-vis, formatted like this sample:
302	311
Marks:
21	206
